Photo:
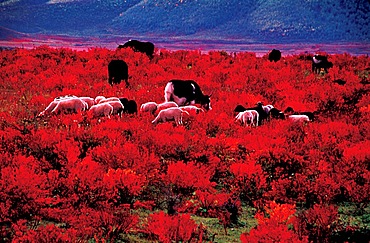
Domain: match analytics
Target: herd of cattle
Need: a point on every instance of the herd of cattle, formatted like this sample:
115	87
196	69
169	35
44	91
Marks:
181	97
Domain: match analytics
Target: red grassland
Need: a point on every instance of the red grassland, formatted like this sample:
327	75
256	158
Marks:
72	178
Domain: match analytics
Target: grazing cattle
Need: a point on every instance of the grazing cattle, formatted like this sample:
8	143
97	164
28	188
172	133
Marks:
277	114
320	62
71	105
290	111
170	114
101	110
274	55
148	107
248	117
186	92
117	71
192	109
298	118
139	46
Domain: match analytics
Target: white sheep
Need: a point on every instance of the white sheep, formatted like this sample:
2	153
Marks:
248	117
74	105
99	110
117	107
170	114
192	109
165	105
298	118
89	101
49	108
108	100
99	98
149	107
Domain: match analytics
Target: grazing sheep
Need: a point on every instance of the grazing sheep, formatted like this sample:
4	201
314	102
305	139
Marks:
248	117
130	107
320	62
89	101
170	114
49	108
298	118
117	107
71	105
259	108
99	110
290	111
192	109
99	98
108	100
165	105
149	107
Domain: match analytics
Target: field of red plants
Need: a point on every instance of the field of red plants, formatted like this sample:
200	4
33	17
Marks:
71	178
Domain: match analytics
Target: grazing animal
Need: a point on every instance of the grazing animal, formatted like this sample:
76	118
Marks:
277	114
148	107
105	100
259	108
248	117
71	105
186	92
320	62
48	109
89	101
274	55
101	110
117	71
192	109
99	98
140	46
165	105
170	114
130	107
117	107
290	111
298	118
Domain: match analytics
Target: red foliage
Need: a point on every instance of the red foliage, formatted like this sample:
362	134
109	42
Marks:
83	173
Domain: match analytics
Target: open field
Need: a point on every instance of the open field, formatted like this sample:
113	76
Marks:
70	177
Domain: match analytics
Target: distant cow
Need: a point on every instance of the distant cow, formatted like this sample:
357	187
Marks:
320	62
186	92
274	55
139	46
117	71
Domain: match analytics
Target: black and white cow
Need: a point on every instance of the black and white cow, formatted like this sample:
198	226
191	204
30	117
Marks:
320	62
186	92
140	46
117	71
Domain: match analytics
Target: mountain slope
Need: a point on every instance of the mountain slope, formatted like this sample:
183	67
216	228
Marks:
254	20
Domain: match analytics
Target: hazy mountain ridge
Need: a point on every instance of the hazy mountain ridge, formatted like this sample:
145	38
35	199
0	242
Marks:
258	20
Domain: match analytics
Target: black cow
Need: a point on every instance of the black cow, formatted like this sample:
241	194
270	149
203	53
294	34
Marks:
274	55
139	46
117	71
186	92
320	62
